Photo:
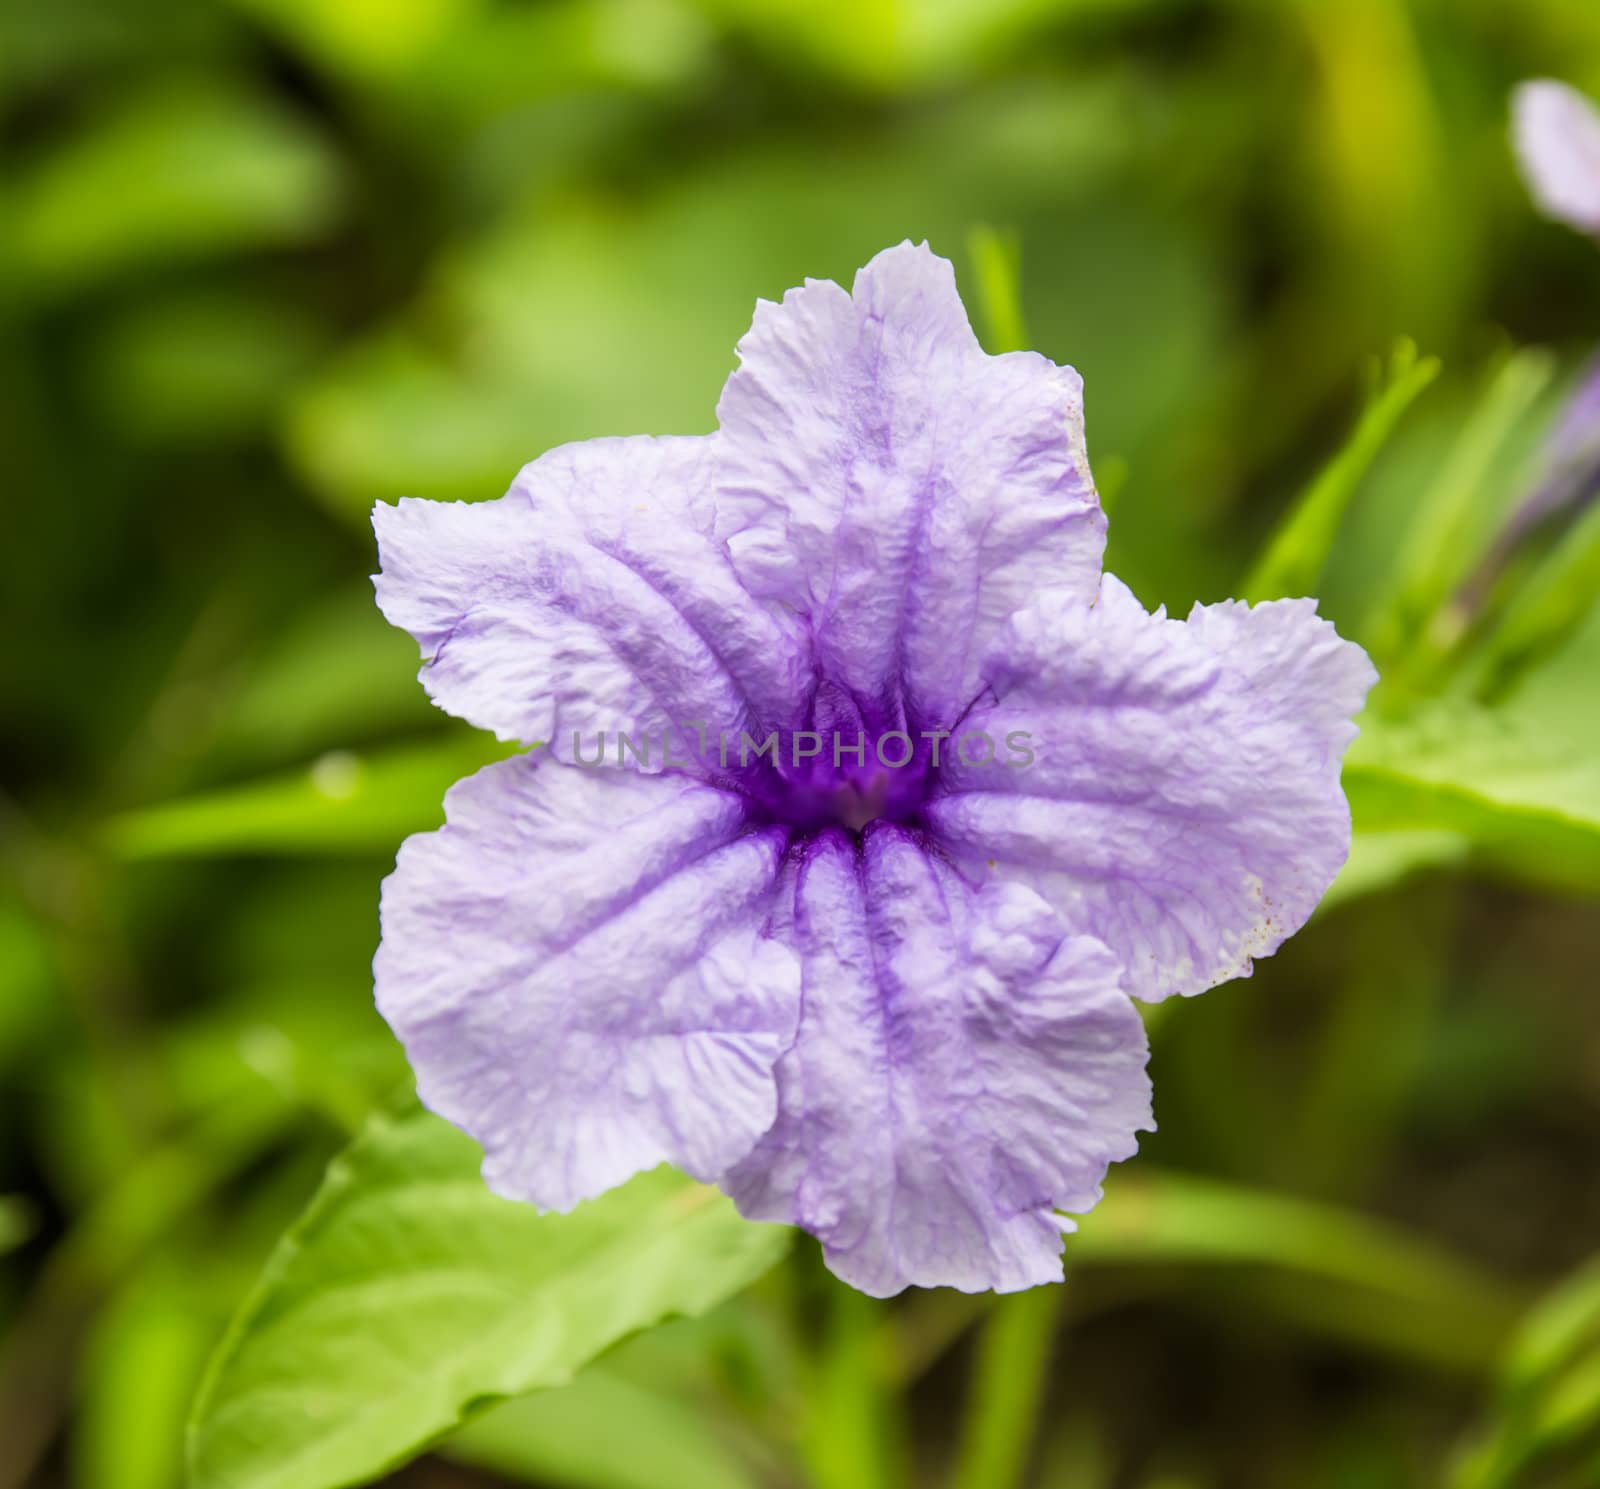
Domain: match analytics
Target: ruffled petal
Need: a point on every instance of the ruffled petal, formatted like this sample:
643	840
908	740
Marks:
897	487
1557	135
963	1070
1183	800
577	967
589	599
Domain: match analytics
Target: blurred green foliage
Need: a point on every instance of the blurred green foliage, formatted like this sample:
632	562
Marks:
265	261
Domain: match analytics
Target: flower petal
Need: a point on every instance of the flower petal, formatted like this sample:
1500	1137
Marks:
1183	803
961	1072
1557	135
589	598
900	489
577	967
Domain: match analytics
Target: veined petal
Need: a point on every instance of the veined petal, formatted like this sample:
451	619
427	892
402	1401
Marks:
589	599
963	1070
1557	135
1183	803
900	489
577	967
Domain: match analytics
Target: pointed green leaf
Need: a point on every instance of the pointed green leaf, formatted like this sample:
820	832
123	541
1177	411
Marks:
1553	602
1295	554
1549	1398
1442	539
408	1297
1556	1328
343	802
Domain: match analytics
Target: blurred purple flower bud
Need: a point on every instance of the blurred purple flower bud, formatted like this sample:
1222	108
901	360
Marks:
1557	135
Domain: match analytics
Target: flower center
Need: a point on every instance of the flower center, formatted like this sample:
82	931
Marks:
840	772
821	793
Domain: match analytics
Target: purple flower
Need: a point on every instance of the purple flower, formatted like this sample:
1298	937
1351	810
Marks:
1557	135
887	1002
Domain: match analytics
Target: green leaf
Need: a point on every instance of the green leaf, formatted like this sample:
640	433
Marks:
1294	557
337	673
480	62
511	56
198	367
367	40
142	1362
852	1433
344	802
602	1432
1442	539
1549	1398
180	171
1009	1377
891	45
1555	1329
1387	1286
161	1186
1380	860
409	1297
1513	784
1546	609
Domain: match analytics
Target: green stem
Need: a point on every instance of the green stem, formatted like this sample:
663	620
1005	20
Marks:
854	1430
1008	1384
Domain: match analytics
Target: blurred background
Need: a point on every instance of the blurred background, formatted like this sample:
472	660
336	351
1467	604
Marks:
263	262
